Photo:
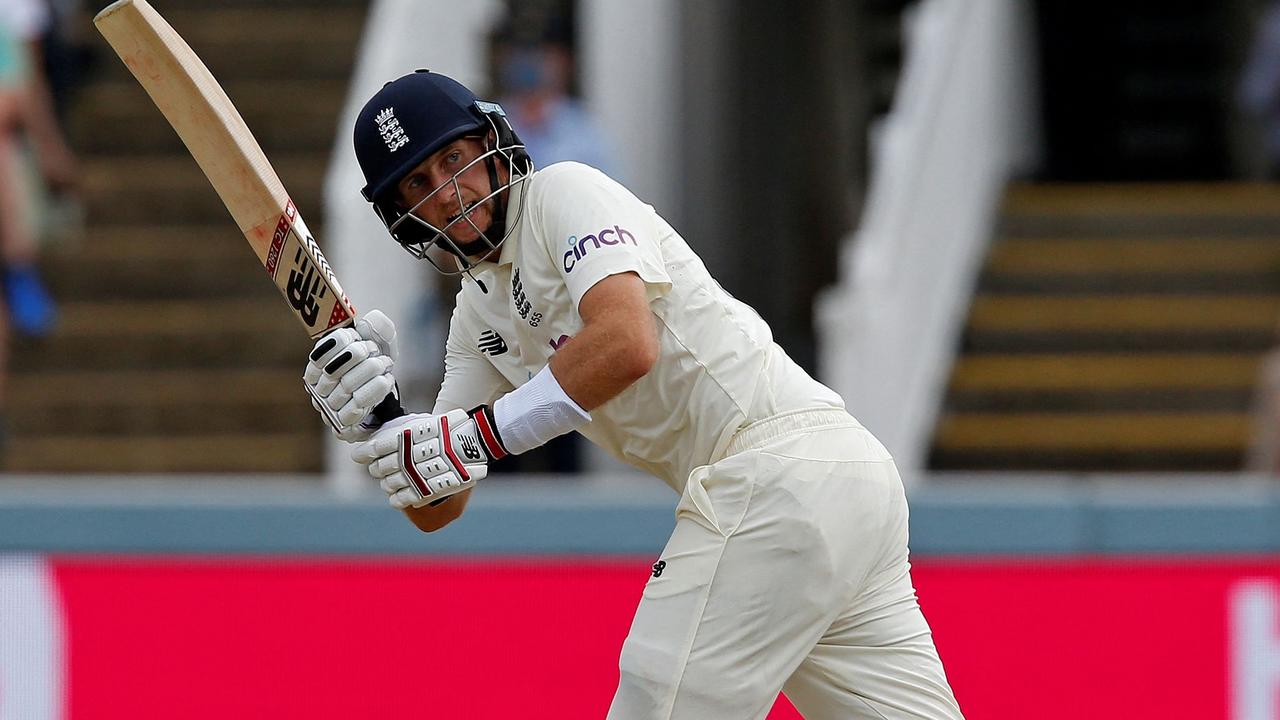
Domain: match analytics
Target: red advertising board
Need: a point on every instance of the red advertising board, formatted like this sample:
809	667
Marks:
342	638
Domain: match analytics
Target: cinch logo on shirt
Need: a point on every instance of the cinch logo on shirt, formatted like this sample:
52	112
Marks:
578	245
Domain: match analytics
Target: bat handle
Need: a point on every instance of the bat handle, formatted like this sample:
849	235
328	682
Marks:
386	411
389	409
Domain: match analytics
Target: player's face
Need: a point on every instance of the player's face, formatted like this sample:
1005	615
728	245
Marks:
449	190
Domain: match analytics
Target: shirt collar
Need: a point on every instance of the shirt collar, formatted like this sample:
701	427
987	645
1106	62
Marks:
507	254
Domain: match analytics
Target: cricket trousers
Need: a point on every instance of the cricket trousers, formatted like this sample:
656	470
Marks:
787	571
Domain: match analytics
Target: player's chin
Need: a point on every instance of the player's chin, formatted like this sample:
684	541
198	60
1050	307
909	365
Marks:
464	233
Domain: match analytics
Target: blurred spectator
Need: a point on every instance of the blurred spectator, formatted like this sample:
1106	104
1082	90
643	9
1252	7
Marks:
554	126
1259	91
67	51
27	116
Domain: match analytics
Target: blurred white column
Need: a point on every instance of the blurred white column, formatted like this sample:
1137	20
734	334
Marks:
628	53
399	37
628	61
1254	682
962	122
31	640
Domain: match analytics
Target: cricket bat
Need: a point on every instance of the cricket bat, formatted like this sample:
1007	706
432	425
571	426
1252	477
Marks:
195	105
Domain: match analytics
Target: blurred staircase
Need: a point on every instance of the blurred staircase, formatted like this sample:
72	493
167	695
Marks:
174	352
1117	327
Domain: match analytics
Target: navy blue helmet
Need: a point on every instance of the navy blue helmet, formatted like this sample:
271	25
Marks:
403	124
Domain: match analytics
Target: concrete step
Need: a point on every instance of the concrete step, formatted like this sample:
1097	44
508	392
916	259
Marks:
1117	328
307	127
159	402
261	41
271	99
1126	460
1260	281
168	334
286	116
285	452
174	353
1167	266
244	26
1125	313
1095	432
1136	256
171	189
1030	340
160	263
1124	210
216	242
1232	399
1103	373
1119	200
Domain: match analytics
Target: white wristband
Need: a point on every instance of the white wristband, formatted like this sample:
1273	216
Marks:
536	412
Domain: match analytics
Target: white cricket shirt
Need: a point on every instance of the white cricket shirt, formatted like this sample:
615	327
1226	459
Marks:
718	367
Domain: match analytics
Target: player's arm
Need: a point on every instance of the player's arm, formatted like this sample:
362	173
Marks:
469	380
427	463
612	288
618	343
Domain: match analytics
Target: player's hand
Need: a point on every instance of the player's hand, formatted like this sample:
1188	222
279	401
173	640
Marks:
349	373
421	459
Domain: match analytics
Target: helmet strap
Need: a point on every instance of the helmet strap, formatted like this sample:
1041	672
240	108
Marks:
497	228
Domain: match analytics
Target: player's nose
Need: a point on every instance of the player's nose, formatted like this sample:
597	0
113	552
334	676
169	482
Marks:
448	198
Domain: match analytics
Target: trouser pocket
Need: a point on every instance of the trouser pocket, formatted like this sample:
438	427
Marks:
717	496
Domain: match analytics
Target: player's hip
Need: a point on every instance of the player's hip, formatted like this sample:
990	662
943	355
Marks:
815	467
824	434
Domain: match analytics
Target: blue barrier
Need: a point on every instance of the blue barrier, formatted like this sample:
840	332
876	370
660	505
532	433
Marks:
950	516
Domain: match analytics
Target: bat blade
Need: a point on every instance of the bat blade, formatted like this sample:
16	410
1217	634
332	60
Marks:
203	116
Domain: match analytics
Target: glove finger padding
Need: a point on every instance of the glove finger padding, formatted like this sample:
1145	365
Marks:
325	350
352	407
385	442
426	456
409	497
353	359
376	326
375	389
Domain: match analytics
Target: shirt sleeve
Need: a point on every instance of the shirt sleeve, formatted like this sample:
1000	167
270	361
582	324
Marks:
469	378
595	228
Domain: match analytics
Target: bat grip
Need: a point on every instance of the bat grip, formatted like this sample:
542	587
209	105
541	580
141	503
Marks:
389	409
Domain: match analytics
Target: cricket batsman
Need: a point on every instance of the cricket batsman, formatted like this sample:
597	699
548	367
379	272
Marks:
582	309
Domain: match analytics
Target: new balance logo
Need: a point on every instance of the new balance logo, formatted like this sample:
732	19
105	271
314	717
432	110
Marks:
470	448
491	343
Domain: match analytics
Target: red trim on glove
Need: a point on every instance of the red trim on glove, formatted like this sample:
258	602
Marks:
490	438
447	443
406	463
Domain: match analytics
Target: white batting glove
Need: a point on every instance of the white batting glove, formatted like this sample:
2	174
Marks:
349	373
422	459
